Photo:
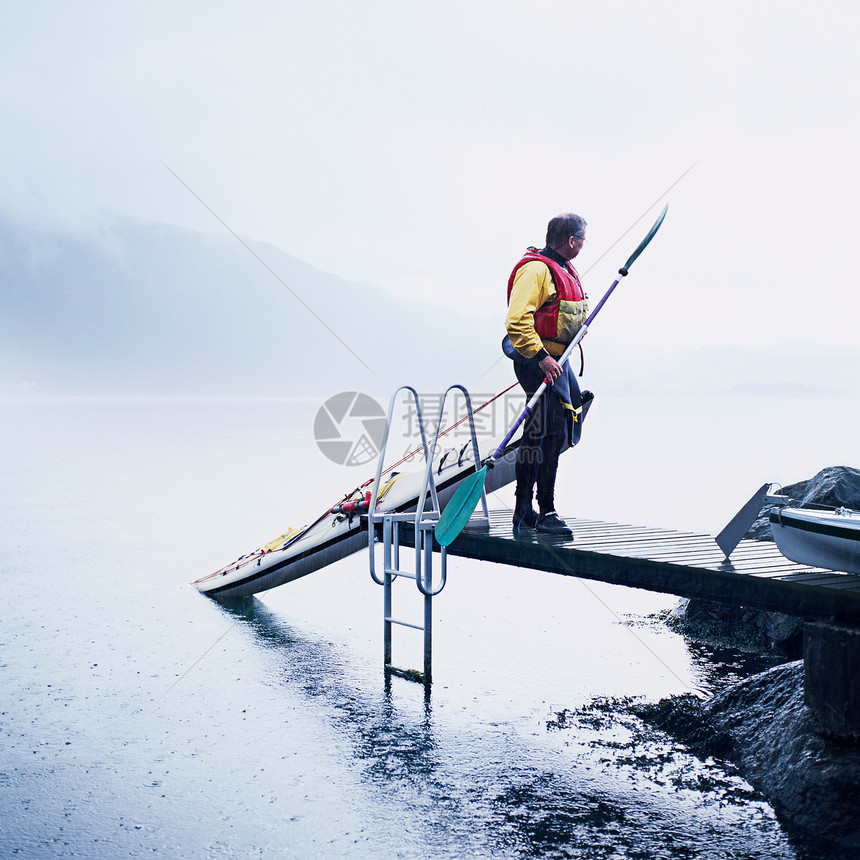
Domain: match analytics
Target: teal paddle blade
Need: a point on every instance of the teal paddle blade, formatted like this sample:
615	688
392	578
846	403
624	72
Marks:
644	243
460	507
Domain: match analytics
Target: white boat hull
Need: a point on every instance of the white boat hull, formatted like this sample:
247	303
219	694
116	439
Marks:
336	536
829	539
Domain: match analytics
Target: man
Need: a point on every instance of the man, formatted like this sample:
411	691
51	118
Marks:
546	308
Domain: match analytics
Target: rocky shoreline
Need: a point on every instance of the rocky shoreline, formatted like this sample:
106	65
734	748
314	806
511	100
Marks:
762	724
746	629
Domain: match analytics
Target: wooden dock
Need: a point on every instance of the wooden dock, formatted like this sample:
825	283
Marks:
756	575
686	564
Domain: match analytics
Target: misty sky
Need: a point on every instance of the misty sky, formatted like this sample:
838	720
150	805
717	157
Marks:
423	146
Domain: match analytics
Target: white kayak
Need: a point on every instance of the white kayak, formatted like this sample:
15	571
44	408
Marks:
339	531
821	538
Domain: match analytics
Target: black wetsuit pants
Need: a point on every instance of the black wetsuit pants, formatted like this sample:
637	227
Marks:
543	438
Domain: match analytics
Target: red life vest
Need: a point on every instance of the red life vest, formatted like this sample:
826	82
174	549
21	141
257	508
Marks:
560	318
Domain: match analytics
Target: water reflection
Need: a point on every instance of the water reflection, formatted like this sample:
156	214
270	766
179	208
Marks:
390	744
590	783
717	666
124	723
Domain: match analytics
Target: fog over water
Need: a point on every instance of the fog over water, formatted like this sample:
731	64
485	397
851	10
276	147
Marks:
277	202
143	308
422	148
139	716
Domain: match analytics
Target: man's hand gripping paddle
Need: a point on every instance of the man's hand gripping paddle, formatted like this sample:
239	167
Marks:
462	504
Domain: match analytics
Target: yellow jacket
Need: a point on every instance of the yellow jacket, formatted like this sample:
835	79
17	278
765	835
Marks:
532	288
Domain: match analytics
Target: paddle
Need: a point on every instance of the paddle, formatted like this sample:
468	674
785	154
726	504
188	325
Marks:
462	504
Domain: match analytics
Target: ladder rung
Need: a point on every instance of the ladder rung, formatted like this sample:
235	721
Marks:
393	571
379	516
408	674
405	624
428	521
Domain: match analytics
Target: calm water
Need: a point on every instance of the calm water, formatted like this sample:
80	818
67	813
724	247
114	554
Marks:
138	717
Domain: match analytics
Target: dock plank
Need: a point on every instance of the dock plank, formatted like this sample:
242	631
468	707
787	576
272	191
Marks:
686	564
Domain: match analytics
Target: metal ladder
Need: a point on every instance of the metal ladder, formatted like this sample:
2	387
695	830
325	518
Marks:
423	520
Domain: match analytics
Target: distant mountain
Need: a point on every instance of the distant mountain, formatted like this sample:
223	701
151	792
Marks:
149	309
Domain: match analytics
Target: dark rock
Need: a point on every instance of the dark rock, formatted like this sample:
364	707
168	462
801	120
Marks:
683	717
763	724
833	487
739	626
764	727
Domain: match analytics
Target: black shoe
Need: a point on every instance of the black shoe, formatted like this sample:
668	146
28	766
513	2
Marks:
552	524
525	521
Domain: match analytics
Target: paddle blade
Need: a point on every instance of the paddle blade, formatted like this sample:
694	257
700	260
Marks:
644	243
461	506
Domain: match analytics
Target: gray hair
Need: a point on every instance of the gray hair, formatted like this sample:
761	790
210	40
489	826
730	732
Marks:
562	227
